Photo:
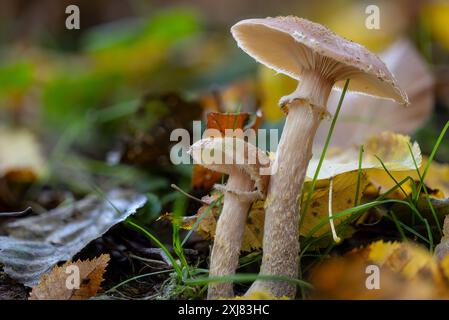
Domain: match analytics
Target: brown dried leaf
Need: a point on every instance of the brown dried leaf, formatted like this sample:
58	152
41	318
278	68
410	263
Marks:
203	178
53	286
223	121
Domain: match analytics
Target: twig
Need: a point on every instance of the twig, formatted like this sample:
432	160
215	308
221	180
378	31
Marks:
174	186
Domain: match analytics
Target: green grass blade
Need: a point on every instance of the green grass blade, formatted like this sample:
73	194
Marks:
137	278
247	277
195	225
359	174
432	209
323	154
432	155
158	243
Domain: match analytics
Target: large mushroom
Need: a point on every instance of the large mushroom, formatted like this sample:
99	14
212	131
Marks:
318	59
249	171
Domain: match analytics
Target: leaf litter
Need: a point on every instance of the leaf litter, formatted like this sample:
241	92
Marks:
36	244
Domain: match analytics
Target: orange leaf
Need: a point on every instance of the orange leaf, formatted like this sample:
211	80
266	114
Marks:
78	280
203	178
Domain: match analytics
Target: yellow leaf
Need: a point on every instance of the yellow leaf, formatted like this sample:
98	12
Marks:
20	155
57	285
343	197
437	178
408	259
342	167
391	148
380	251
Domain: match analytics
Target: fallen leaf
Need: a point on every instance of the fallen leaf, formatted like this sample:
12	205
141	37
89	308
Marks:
53	286
204	178
222	121
391	148
406	271
343	197
20	155
342	167
35	244
436	179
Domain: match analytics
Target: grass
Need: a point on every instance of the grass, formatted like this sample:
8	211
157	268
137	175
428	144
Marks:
359	175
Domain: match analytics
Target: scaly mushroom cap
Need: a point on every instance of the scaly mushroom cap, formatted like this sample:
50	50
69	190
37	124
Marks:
291	45
228	154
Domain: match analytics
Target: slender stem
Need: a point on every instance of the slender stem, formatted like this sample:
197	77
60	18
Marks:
229	236
331	218
174	186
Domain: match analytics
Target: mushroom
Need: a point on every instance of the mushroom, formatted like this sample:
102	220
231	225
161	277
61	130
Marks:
318	59
245	165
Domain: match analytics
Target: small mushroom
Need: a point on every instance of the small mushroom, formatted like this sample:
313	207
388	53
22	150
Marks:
245	165
318	59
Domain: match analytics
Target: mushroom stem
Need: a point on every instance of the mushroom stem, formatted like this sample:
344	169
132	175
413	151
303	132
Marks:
229	235
281	235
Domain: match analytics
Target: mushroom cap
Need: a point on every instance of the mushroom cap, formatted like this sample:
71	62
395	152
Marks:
291	44
228	154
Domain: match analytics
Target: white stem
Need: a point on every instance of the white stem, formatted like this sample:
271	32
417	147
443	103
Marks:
331	218
229	235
